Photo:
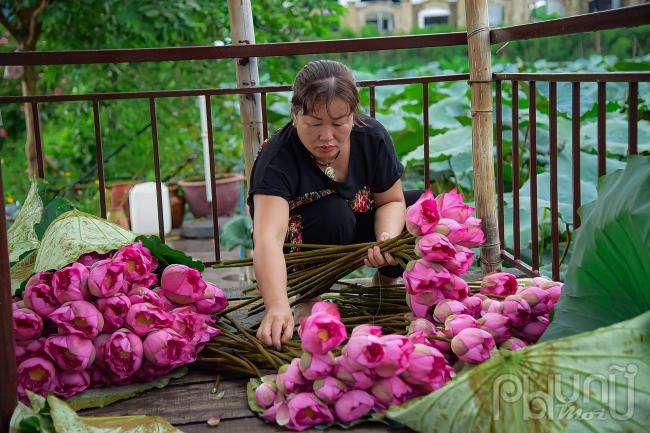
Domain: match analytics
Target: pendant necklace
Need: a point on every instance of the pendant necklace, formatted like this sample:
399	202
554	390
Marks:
329	170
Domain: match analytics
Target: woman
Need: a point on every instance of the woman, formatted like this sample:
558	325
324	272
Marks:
331	176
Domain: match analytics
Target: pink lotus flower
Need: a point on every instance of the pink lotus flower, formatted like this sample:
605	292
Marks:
472	236
70	352
290	379
99	378
166	304
516	309
306	411
106	278
456	288
40	278
392	391
139	261
326	308
71	283
472	345
36	375
100	350
78	317
266	392
353	405
316	366
367	330
360	379
214	300
193	327
166	348
91	258
419	330
532	331
123	352
419	304
27	324
451	205
329	389
513	344
41	299
441	342
461	261
321	332
397	349
427	366
424	277
29	349
69	383
446	308
490	306
497	325
147	281
456	323
145	317
452	229
139	295
423	215
435	247
182	284
114	311
473	305
538	299
499	283
364	351
553	288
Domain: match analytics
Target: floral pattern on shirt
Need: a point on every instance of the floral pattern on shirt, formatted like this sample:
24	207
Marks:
362	201
310	197
294	232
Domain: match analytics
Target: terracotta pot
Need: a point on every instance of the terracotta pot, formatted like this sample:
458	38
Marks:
120	198
228	189
177	204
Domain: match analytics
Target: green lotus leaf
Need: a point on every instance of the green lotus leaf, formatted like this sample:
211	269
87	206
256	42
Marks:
21	236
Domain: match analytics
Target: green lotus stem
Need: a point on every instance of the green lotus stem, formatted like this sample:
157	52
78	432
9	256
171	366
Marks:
241	361
435	337
215	387
222	363
256	342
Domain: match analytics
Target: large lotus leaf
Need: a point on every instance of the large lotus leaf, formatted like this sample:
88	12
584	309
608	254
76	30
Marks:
22	271
616	135
75	233
444	146
608	276
594	382
21	236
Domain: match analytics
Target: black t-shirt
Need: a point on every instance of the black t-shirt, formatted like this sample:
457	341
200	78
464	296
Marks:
284	168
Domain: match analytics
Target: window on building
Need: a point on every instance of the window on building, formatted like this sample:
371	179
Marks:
384	21
603	5
432	16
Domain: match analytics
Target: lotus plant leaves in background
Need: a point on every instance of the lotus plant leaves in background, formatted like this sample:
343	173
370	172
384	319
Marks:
21	235
76	233
609	272
592	382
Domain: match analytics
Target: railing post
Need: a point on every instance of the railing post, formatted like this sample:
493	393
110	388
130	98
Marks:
480	76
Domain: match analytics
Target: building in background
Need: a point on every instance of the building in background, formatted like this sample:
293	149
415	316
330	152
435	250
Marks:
402	16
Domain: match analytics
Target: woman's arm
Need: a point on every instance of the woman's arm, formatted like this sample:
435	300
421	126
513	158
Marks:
389	222
269	231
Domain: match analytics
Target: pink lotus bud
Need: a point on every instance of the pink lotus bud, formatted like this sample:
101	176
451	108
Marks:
392	391
166	304
538	299
321	332
473	345
456	323
214	300
166	348
490	306
139	261
435	247
106	278
473	305
427	366
265	394
139	295
497	325
290	379
90	259
182	285
316	366
40	278
99	378
123	352
278	413
451	228
100	350
145	317
327	308
41	299
532	331
193	327
29	349
420	307
553	288
446	308
329	389
36	375
444	346
114	311
353	405
367	330
513	344
461	261
472	236
27	324
71	283
364	351
360	379
456	288
147	281
451	205
397	349
419	330
306	411
69	383
78	317
499	283
70	352
516	309
422	277
423	215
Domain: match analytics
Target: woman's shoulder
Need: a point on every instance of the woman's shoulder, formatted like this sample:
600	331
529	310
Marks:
277	147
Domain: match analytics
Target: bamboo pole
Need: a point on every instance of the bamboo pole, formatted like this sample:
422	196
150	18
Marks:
480	73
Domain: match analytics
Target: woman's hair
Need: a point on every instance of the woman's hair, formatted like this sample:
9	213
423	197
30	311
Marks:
322	81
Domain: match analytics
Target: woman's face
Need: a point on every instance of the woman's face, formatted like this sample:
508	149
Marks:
327	130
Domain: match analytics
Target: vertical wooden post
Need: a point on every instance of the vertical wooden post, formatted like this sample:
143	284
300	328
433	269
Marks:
243	33
7	354
480	73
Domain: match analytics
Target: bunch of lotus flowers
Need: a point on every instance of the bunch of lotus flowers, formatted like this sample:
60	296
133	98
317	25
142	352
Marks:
372	372
105	320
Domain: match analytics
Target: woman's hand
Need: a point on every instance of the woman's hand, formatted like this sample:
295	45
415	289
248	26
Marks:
375	258
277	326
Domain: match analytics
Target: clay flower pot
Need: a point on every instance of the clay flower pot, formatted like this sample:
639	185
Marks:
227	187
